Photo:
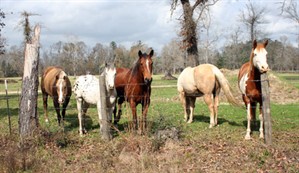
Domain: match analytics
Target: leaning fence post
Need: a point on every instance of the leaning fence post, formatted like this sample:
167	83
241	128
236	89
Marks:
28	116
104	122
266	109
7	103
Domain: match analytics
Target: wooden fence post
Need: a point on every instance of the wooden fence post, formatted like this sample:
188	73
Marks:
28	117
105	126
266	109
7	104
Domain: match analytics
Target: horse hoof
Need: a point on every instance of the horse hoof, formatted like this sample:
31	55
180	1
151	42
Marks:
190	121
247	137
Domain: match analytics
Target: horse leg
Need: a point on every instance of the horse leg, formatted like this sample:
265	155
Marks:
79	107
45	103
134	113
253	113
65	103
191	106
248	131
84	109
209	101
184	103
261	122
216	104
145	107
119	107
57	108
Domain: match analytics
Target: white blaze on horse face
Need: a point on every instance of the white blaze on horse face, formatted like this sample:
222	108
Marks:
110	77
60	97
242	83
147	66
260	60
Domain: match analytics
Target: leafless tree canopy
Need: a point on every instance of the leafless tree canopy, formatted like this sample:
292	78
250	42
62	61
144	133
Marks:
191	15
252	17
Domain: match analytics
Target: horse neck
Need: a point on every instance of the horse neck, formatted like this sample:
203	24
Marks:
136	72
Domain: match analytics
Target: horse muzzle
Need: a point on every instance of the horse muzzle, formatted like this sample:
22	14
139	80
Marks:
148	81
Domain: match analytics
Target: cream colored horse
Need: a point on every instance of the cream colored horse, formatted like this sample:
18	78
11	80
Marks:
204	80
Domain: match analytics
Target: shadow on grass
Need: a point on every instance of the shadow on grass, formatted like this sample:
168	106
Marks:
206	119
73	123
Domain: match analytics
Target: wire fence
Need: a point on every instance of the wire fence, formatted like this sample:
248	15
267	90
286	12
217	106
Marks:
160	114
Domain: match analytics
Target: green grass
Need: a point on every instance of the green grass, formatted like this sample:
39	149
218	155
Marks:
291	78
199	149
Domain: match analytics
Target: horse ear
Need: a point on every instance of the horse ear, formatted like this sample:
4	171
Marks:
254	44
266	43
151	53
139	54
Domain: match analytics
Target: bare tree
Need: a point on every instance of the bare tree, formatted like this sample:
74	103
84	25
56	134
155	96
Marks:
24	23
171	59
252	17
191	15
2	39
289	10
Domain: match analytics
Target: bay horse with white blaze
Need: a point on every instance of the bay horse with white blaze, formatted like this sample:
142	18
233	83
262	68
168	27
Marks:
134	86
249	81
204	80
87	91
56	84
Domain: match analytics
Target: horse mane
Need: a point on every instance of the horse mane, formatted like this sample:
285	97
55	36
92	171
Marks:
135	68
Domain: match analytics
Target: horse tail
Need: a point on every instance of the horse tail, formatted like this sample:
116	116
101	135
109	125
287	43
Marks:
225	86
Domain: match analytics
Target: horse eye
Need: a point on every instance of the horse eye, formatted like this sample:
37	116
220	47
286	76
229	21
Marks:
255	54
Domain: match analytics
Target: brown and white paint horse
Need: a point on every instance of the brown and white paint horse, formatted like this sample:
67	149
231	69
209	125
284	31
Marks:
56	83
250	84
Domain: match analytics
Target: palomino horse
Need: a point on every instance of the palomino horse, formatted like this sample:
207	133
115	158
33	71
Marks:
204	80
87	91
134	86
249	81
56	83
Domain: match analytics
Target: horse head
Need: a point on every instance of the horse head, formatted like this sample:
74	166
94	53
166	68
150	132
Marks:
259	55
146	66
110	72
61	87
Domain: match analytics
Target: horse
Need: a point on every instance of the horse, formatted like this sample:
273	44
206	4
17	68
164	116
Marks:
55	82
87	91
249	82
134	86
204	80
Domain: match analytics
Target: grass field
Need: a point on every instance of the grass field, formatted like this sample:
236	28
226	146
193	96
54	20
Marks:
188	147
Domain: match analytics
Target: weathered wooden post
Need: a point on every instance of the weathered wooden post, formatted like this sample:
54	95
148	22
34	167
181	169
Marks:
266	109
7	104
28	117
105	126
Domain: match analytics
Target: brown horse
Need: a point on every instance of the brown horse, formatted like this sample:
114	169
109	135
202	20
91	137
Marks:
134	86
56	83
249	81
204	80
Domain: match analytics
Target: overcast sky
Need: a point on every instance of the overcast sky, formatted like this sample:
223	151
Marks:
127	21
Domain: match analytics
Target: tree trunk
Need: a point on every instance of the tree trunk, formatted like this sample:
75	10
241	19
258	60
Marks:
189	34
28	117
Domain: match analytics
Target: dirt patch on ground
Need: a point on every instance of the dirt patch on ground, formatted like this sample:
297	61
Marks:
280	92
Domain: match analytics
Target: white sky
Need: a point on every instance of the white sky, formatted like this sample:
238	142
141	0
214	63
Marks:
127	21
